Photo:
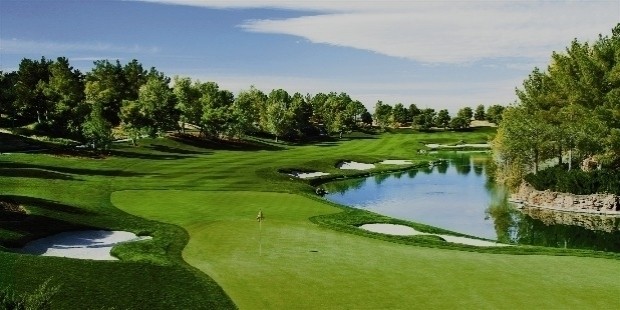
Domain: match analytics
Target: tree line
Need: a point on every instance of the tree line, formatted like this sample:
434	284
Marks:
62	101
570	111
424	119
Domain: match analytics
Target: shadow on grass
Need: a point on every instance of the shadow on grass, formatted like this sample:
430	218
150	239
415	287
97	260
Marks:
175	150
45	204
149	156
15	234
34	173
218	144
55	170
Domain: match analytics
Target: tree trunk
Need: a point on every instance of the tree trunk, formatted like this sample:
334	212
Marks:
535	161
276	139
570	158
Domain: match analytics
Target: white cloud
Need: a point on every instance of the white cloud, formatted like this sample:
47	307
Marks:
17	46
437	31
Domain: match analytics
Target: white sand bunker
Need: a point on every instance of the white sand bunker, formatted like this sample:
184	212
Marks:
396	162
308	175
87	244
402	230
444	146
352	165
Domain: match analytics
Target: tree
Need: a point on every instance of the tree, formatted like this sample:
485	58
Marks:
96	129
246	110
383	115
424	120
153	112
216	109
479	114
8	95
105	84
135	76
30	100
401	115
65	92
279	117
459	122
366	118
413	111
187	99
466	113
442	119
494	114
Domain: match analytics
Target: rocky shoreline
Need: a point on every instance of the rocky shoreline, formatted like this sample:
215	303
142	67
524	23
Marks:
528	196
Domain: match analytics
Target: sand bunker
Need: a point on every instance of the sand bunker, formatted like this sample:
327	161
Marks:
396	162
352	165
87	244
308	175
444	146
402	230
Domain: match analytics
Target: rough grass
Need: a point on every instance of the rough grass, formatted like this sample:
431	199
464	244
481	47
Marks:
64	193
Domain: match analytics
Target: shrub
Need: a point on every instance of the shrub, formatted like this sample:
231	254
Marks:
559	179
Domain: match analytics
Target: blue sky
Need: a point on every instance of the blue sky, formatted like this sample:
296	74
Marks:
439	54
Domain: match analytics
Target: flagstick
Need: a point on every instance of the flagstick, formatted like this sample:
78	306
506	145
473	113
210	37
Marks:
260	238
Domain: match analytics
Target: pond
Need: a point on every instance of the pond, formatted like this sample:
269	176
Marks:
459	194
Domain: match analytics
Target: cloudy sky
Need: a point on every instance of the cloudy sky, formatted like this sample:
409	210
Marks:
440	54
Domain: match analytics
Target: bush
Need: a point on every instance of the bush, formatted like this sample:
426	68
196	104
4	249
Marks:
559	179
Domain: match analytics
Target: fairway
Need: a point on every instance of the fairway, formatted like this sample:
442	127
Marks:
304	266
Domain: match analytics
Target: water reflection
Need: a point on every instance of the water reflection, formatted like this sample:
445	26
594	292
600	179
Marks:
460	195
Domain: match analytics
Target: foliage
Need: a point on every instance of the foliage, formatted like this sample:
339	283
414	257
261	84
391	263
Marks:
575	181
479	114
96	130
494	114
383	115
425	120
569	109
442	119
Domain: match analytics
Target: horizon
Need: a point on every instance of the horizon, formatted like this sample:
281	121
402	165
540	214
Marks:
440	54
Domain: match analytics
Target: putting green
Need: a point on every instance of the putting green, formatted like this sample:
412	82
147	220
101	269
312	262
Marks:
306	266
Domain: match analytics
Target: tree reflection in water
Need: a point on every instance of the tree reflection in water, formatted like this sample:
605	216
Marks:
449	195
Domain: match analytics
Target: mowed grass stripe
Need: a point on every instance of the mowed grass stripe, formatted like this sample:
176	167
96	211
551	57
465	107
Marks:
304	266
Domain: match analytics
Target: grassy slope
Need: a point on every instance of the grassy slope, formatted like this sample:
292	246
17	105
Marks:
349	271
73	192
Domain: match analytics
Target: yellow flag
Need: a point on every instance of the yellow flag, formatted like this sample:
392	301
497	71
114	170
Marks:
260	217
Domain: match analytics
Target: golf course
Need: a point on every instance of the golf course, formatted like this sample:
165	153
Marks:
199	199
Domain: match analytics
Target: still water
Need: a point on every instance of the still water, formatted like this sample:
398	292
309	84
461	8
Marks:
459	195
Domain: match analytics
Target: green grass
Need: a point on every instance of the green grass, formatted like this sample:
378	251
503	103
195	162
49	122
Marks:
306	266
199	200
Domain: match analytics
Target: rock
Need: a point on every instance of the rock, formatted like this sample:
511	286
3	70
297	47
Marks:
606	203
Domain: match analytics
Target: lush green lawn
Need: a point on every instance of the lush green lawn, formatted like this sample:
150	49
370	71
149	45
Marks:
208	194
306	266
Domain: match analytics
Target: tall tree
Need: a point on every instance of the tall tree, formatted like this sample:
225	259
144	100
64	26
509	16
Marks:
280	118
65	92
494	114
187	97
246	111
153	112
106	84
96	129
383	115
442	119
30	100
401	115
479	114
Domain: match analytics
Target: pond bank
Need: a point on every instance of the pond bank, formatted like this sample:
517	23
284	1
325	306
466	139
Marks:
528	196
